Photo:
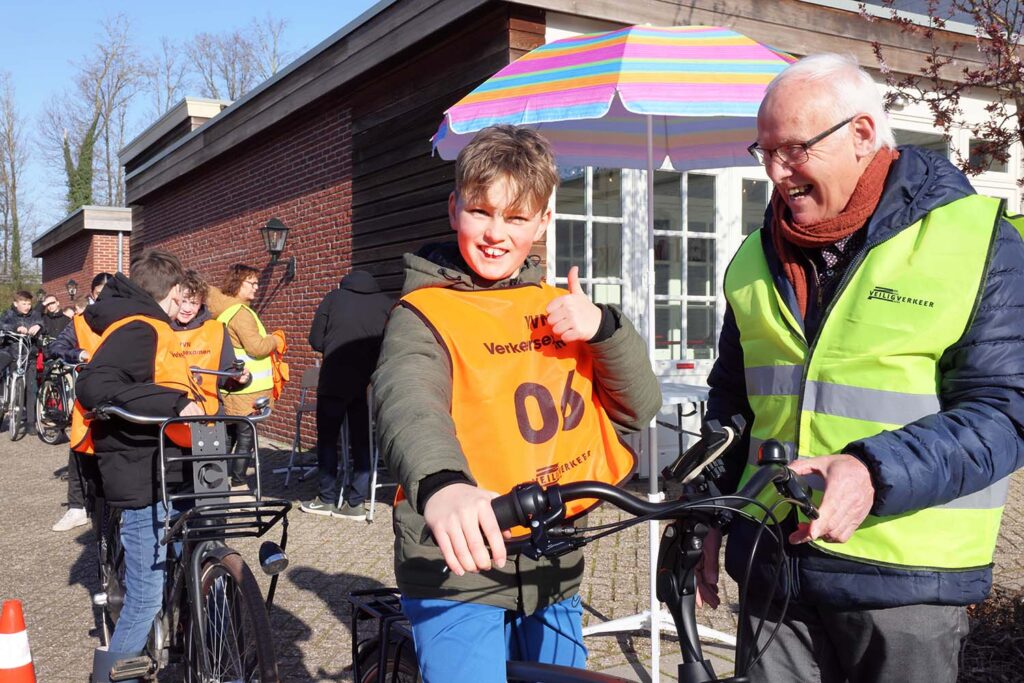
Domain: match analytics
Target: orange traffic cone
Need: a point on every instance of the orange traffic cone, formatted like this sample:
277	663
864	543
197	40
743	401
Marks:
15	657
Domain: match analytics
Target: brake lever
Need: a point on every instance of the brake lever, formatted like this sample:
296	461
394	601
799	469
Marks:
794	487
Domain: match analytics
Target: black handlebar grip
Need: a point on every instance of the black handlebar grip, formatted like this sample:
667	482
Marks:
505	510
520	505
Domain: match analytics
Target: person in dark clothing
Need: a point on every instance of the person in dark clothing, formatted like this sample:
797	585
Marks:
347	329
20	318
124	372
54	320
71	349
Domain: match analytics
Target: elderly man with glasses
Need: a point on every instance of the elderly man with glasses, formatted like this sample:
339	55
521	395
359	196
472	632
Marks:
873	327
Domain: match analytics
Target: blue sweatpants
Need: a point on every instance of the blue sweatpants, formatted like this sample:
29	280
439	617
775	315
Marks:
465	641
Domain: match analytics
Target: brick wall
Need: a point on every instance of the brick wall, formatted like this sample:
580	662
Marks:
299	173
79	258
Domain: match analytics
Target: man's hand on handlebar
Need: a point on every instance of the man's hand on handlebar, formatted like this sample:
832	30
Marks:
191	410
707	570
849	495
461	519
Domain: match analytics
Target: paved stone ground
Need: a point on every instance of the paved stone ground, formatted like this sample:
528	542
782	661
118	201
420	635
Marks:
54	575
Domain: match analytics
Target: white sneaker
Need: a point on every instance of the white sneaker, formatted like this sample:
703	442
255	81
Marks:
72	518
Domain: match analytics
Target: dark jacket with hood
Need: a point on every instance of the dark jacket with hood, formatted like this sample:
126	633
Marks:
121	373
54	323
12	319
413	392
971	443
347	329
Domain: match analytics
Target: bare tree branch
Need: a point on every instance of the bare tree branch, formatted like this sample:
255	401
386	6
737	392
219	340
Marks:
999	25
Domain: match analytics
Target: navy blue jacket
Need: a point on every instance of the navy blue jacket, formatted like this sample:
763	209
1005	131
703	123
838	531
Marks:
974	441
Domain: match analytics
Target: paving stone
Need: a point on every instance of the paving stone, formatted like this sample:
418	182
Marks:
55	574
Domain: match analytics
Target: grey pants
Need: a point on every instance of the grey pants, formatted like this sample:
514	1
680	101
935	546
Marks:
913	644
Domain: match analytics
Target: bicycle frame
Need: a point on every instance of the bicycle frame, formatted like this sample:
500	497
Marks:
199	532
203	528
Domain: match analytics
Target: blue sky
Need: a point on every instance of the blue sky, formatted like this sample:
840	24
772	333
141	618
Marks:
41	41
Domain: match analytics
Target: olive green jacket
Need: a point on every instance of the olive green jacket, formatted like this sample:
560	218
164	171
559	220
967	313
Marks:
413	392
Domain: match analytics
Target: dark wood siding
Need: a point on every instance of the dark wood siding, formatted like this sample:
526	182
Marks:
400	191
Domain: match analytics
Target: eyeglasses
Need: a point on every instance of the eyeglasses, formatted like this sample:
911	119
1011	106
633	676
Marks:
795	154
253	283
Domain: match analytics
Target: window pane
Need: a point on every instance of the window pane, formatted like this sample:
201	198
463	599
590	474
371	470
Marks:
700	267
570	246
668	201
700	330
608	192
571	194
984	160
700	202
668	330
607	249
755	199
607	294
668	265
932	141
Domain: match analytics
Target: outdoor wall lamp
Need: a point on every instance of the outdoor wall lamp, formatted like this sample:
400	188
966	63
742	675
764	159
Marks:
275	236
72	288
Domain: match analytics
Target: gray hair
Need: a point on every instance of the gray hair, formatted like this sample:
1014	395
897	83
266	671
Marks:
849	89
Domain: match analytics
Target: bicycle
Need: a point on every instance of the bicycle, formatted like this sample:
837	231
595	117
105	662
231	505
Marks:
56	399
388	653
214	617
12	397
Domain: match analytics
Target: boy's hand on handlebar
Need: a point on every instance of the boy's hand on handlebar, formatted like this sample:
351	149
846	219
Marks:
573	316
461	518
849	495
707	571
190	410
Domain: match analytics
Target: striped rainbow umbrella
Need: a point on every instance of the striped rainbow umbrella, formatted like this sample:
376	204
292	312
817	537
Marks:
592	96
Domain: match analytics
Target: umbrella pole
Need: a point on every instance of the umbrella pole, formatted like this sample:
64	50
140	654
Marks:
653	493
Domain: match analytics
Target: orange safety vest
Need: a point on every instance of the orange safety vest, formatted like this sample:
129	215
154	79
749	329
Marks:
87	339
202	347
524	403
170	369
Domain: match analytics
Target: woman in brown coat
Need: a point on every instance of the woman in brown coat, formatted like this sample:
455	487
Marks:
252	343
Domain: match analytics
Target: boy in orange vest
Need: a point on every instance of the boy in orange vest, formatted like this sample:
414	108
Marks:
489	378
133	319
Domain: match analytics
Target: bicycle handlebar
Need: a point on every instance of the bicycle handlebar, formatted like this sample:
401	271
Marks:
107	410
530	504
236	371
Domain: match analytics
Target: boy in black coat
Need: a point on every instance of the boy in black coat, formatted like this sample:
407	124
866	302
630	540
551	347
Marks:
123	372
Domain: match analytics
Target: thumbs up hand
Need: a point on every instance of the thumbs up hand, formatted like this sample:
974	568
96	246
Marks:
573	316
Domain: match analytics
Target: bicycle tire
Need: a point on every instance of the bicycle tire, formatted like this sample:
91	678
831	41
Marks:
17	408
239	645
369	664
110	554
49	402
5	392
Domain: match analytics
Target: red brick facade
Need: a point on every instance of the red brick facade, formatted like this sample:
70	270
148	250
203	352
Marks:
300	174
79	258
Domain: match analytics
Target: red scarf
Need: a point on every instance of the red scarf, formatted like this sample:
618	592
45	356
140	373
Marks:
788	237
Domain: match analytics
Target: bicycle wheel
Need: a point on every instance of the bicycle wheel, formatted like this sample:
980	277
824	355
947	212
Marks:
238	642
17	411
49	412
110	554
369	664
